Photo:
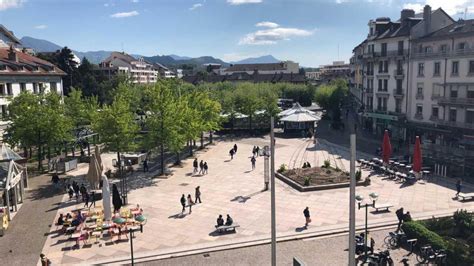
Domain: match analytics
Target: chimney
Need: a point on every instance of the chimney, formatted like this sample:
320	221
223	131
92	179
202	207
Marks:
405	15
12	56
427	18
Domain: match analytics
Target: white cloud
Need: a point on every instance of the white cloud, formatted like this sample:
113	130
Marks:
41	27
451	7
341	1
273	35
242	2
267	24
135	1
125	14
195	6
7	4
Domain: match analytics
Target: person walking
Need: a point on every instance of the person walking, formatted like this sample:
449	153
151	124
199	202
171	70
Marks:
205	168
257	149
307	217
145	165
399	214
76	188
92	199
197	194
254	150
458	187
183	203
235	148
195	166
201	167
231	152
83	191
253	160
190	203
44	260
86	199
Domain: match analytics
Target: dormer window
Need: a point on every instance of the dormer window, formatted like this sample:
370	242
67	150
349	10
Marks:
462	46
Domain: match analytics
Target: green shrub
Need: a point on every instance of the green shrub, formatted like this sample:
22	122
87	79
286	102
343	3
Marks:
326	164
307	180
282	168
462	221
417	230
358	175
439	224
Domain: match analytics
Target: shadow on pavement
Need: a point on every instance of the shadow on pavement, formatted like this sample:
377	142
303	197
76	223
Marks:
300	229
180	215
216	233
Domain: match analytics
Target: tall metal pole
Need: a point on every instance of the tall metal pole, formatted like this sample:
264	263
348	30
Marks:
131	247
272	177
352	202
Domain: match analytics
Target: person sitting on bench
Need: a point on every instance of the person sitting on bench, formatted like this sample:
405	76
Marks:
229	220
220	221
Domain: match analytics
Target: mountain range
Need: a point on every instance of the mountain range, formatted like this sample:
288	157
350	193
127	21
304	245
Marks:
171	60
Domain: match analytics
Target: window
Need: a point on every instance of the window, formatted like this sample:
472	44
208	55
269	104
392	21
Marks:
398	105
437	90
9	89
435	112
385	66
471	67
455	68
461	46
371	31
444	48
470	116
2	89
380	85
454	92
420	48
385	85
428	49
452	114
53	86
399	86
421	69
4	111
370	102
380	66
419	109
384	49
470	93
437	69
419	91
41	87
400	47
35	88
399	67
22	87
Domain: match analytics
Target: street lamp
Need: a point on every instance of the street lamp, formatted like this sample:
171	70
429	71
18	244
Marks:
132	231
123	182
374	196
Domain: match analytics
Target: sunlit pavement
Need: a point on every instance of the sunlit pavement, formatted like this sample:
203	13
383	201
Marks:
232	188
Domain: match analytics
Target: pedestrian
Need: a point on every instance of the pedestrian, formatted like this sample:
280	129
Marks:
201	167
198	194
307	217
86	199
257	149
70	191
253	162
92	198
458	187
183	202
190	202
231	152
220	221
304	165
75	186
195	166
229	220
205	168
145	165
399	214
55	179
83	191
254	150
44	260
235	148
308	165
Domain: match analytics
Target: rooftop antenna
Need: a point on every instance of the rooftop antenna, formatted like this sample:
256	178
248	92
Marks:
465	13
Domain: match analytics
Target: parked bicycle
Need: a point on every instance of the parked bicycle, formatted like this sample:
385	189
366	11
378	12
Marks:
428	255
380	259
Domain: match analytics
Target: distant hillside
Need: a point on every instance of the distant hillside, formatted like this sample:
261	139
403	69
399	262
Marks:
266	59
39	45
167	60
178	57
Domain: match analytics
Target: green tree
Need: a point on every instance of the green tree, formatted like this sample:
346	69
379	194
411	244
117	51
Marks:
247	101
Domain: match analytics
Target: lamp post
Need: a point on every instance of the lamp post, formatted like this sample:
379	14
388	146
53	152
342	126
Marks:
359	199
272	180
132	231
123	182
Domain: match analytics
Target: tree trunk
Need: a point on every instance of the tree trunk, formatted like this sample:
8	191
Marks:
25	152
31	152
202	139
190	148
39	158
162	159
178	159
210	137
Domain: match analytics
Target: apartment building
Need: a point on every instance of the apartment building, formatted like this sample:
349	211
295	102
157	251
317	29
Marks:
338	69
441	100
286	67
120	63
21	71
380	67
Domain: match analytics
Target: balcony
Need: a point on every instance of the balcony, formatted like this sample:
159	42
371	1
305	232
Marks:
419	96
382	92
435	96
419	116
369	90
399	73
456	101
398	93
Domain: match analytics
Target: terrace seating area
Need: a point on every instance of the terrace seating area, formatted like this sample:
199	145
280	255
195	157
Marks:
397	169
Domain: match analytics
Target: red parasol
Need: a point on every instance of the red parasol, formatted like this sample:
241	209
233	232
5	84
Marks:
386	147
417	156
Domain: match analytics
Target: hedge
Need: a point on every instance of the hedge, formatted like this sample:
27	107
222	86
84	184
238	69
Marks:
414	229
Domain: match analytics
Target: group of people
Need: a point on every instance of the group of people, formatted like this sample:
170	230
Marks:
255	151
203	167
306	165
220	221
74	190
188	201
233	151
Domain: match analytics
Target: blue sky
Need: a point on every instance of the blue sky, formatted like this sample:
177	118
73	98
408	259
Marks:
310	32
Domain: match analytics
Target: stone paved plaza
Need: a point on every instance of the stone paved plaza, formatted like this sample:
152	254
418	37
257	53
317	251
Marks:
232	188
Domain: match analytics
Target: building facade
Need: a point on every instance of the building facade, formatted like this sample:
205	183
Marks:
286	67
338	69
380	68
138	70
441	99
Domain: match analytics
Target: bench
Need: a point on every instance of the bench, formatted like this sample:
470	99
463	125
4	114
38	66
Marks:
383	206
465	196
225	228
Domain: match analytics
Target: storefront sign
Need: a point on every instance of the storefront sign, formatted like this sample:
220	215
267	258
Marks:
382	116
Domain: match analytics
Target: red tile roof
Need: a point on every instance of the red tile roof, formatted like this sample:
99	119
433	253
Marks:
27	65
